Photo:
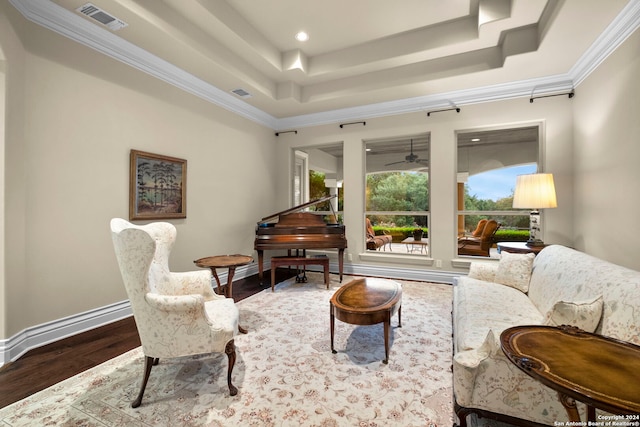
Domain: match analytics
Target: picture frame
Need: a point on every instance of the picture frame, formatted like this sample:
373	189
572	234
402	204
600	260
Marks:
157	186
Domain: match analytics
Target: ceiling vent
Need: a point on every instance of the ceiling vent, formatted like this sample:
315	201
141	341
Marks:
242	93
106	19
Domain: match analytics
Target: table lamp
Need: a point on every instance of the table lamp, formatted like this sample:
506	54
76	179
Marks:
535	191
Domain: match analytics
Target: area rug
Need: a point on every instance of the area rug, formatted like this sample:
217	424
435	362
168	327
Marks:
285	372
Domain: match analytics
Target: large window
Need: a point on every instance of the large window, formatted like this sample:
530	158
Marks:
488	164
397	191
318	173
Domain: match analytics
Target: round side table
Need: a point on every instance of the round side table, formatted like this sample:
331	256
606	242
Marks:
230	262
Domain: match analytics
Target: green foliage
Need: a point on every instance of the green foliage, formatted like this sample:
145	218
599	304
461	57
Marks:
317	190
511	235
398	191
399	233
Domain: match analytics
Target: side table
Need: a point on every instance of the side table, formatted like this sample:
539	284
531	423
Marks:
519	248
421	244
599	371
225	261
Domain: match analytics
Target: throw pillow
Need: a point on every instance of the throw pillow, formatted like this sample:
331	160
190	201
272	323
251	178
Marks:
581	314
515	270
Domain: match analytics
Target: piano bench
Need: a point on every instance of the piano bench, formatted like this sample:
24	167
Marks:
278	261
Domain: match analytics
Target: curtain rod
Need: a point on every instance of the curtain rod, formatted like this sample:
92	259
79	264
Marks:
570	94
439	111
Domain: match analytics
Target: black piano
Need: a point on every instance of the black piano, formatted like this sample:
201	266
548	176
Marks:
300	231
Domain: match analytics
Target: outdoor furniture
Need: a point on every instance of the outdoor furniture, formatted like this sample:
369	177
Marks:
416	245
376	242
479	246
177	314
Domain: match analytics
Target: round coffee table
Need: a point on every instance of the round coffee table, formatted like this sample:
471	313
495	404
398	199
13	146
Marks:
367	301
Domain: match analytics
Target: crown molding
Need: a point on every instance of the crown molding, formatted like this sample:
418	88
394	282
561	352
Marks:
68	24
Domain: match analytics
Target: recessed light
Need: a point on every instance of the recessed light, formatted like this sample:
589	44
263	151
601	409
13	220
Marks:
475	140
302	36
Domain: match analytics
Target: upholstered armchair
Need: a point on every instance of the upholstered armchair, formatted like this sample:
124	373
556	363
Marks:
479	246
376	242
177	314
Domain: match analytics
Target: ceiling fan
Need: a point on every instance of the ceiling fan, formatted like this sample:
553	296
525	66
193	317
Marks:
411	158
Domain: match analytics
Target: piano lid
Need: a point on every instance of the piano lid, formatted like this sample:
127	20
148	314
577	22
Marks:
298	208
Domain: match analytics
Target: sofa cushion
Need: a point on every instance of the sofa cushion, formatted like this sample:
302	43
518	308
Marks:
482	306
515	270
581	314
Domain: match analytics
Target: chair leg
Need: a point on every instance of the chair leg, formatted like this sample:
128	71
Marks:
230	350
149	362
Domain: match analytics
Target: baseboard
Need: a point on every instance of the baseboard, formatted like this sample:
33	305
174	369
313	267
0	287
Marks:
46	333
39	335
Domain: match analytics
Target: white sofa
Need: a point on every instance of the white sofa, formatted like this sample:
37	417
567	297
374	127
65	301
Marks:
559	286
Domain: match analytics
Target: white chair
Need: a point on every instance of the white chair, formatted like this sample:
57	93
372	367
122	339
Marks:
177	314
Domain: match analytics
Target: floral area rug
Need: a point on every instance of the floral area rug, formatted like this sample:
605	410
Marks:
285	372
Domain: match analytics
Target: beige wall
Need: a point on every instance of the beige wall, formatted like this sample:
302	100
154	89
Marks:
74	117
607	158
554	114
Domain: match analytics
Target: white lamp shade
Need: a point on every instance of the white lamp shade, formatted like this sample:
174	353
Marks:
535	191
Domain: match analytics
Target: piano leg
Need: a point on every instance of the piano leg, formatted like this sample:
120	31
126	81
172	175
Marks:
340	262
260	269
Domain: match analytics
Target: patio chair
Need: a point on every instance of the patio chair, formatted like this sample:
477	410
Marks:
479	246
376	242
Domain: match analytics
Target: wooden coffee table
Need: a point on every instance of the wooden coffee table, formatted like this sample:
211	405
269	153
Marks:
367	301
599	371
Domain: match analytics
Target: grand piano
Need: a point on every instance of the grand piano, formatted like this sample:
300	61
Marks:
300	231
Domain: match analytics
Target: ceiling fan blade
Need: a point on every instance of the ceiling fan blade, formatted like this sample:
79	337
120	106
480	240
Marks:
395	163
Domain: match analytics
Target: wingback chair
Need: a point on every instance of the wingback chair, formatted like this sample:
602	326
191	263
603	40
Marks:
479	246
177	314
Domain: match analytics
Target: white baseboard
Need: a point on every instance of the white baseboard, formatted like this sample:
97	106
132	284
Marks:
46	333
37	336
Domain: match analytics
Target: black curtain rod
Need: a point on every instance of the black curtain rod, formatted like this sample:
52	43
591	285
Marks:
287	131
352	123
570	94
439	111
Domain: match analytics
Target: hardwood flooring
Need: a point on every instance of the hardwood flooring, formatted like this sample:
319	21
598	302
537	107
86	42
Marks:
45	366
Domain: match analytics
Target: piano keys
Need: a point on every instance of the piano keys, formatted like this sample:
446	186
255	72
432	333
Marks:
300	231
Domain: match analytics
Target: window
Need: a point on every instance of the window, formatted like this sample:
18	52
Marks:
397	191
488	164
317	173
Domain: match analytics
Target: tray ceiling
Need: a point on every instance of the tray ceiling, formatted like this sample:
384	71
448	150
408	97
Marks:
363	57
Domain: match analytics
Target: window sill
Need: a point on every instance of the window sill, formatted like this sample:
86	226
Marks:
388	257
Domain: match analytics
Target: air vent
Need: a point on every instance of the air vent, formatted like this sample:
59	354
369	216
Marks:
242	93
106	19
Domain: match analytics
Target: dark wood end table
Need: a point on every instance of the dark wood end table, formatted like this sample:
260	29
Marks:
519	248
367	301
599	371
230	262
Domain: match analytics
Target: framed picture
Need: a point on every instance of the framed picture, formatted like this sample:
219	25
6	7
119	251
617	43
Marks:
157	186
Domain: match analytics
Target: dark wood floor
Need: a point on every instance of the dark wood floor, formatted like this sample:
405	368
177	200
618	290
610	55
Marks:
42	367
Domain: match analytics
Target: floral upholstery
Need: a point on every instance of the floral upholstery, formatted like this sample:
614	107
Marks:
177	314
589	293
